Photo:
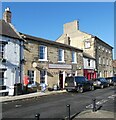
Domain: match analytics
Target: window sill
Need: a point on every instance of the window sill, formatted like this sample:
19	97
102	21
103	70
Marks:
87	47
61	61
43	60
74	62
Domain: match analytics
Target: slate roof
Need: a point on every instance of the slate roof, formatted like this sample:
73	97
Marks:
7	30
29	37
87	56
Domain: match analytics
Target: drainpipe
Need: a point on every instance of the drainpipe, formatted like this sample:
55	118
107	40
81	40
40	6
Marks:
21	70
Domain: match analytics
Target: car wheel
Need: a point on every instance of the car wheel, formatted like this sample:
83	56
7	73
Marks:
68	90
102	86
81	90
92	88
114	84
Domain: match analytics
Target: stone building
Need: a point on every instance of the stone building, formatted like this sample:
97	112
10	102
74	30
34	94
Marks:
92	45
114	67
50	62
11	55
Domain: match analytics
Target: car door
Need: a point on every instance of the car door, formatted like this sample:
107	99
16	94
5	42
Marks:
87	84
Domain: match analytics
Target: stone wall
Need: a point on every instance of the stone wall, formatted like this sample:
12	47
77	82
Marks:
31	54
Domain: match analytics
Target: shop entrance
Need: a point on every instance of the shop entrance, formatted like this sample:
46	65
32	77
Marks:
61	80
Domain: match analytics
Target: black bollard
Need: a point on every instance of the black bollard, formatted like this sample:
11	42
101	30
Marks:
37	116
68	106
94	105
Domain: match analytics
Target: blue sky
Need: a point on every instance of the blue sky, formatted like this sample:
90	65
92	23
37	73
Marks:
46	19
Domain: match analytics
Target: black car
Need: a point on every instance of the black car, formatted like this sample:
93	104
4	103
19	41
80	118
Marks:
100	82
114	80
111	80
78	83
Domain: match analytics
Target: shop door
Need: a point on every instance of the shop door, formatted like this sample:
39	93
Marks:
88	76
61	80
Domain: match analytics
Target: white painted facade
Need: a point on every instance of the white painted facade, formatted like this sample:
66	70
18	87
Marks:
13	54
86	64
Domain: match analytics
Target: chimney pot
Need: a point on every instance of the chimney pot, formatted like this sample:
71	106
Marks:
7	9
7	15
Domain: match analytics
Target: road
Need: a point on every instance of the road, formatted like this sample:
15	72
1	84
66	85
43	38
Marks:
54	106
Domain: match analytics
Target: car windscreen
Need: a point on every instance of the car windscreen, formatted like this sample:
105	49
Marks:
114	78
80	79
102	79
69	79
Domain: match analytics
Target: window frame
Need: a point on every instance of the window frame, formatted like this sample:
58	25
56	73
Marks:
61	54
31	77
86	44
74	57
2	50
44	53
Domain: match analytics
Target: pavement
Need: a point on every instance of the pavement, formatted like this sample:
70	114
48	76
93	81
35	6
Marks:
96	114
28	96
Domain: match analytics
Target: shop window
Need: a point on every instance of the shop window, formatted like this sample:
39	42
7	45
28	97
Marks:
60	55
31	76
42	53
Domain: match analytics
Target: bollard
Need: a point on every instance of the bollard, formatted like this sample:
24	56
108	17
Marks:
94	105
68	106
37	116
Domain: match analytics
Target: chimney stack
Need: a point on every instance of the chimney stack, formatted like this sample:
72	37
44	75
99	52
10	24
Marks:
7	15
71	27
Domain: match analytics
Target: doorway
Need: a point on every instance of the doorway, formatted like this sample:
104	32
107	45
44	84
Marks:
61	80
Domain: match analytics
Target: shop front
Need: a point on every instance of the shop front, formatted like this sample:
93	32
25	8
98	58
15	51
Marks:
90	74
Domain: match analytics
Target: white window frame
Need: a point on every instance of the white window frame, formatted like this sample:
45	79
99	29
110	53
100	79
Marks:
107	62
45	53
61	54
74	60
30	76
99	60
87	44
103	61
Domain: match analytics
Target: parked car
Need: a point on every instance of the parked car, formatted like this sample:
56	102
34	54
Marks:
111	80
114	80
78	83
100	83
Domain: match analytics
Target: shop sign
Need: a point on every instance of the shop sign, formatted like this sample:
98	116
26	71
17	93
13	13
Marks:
90	71
60	66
